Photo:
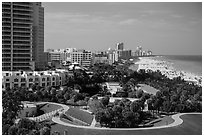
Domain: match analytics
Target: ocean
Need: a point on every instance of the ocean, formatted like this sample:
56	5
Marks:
188	63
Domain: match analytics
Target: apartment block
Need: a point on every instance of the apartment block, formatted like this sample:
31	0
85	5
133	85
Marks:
83	57
28	78
22	36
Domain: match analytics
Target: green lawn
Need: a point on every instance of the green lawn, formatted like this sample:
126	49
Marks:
148	89
50	107
79	114
163	121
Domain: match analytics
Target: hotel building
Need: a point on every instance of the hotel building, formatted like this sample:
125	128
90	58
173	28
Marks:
28	78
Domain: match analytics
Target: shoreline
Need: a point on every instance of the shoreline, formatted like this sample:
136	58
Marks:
166	68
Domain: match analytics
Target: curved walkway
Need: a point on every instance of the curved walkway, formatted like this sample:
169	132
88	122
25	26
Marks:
50	114
176	117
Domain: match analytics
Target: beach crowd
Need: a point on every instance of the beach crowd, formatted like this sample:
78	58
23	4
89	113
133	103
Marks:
167	69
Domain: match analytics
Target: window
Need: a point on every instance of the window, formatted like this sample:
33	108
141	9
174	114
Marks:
7	79
53	83
30	80
60	78
15	85
48	84
23	85
48	78
43	84
53	78
7	85
23	79
16	80
43	79
30	85
7	74
36	79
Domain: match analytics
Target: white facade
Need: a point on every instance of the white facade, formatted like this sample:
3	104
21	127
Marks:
82	57
27	79
113	57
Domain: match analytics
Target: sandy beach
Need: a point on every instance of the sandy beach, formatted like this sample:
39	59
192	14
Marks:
166	68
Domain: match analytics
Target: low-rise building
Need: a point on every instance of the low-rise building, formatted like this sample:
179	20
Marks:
28	78
100	57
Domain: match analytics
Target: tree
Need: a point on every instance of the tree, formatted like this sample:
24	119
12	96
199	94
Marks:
23	131
45	131
5	129
139	93
135	106
105	100
132	94
117	110
13	130
94	105
56	133
26	123
34	132
11	107
130	118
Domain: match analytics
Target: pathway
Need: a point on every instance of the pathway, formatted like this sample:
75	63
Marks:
177	121
51	114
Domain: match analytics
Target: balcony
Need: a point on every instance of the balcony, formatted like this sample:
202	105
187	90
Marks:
6	51
6	60
6	46
6	15
5	24
6	64
5	55
20	38
6	5
6	38
21	60
16	16
6	19
22	12
16	29
23	7
23	3
8	29
21	55
6	42
21	47
21	64
22	41
21	51
22	26
6	33
6	10
22	21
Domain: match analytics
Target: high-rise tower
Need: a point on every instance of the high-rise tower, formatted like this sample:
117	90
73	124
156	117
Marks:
38	35
22	35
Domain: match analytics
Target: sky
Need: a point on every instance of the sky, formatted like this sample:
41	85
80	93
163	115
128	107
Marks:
169	28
